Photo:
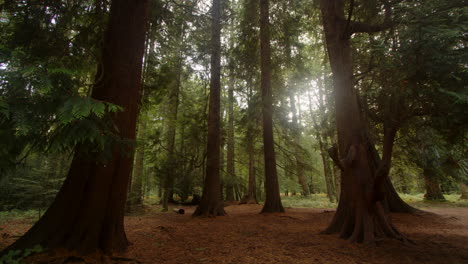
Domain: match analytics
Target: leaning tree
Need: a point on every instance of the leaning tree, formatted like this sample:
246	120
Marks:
88	212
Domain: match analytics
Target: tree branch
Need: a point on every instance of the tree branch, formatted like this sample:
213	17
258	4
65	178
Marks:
360	27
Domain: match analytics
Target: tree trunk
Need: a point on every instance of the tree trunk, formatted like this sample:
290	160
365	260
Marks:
88	212
273	199
296	134
211	204
173	109
360	216
329	182
251	196
231	172
463	191
136	193
392	202
433	191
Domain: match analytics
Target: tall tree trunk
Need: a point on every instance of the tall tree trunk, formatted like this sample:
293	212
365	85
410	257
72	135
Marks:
296	133
251	196
329	182
273	199
433	191
231	172
463	191
136	193
171	172
88	212
360	216
211	204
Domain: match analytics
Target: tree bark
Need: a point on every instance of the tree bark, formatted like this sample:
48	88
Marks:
360	216
88	212
296	134
273	199
211	204
251	196
392	201
463	191
433	191
136	193
329	182
231	171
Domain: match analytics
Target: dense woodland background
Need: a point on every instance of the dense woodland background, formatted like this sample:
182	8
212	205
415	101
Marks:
411	74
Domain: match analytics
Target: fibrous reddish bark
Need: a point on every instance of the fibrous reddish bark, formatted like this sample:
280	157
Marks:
273	199
360	216
88	212
211	204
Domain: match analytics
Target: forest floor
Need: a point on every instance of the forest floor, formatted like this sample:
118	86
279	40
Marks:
244	236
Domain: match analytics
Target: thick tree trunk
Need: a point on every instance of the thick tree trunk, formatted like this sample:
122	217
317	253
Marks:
273	199
433	191
211	204
231	172
392	201
360	216
88	212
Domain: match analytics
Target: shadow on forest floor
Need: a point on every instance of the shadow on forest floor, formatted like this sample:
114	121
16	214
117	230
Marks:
245	236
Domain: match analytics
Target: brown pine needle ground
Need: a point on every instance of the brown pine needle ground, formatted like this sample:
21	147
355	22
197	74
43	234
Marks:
246	237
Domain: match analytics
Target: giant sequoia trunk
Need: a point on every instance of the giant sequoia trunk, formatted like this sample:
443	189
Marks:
360	216
273	199
88	212
211	204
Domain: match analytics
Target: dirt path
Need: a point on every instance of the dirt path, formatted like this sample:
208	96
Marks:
246	237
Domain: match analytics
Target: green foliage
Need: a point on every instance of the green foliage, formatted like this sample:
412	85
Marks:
314	201
417	200
15	256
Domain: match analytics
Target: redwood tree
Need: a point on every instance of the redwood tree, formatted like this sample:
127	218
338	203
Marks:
211	204
273	199
88	212
360	216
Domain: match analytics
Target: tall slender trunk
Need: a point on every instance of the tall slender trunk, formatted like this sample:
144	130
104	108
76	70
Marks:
136	193
88	212
211	204
329	183
296	134
273	199
173	105
360	216
251	196
231	172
